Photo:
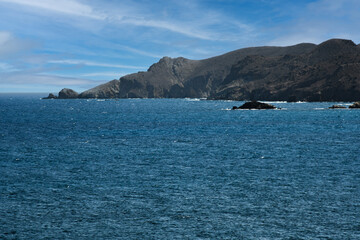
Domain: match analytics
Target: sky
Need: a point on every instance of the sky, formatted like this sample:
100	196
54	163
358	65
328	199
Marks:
47	45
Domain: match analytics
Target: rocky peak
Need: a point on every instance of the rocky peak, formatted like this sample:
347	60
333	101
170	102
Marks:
168	62
163	62
336	45
333	47
165	59
68	93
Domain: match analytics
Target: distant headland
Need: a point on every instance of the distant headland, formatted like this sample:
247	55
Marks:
329	71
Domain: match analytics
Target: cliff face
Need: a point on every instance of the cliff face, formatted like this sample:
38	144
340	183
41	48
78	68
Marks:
326	72
180	77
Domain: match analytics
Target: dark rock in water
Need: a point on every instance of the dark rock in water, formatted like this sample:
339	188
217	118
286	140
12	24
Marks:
355	105
51	96
66	93
255	105
336	106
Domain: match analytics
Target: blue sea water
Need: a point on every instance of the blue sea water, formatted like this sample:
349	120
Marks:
177	169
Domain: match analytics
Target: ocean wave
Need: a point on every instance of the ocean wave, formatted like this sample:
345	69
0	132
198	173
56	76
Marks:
192	99
274	101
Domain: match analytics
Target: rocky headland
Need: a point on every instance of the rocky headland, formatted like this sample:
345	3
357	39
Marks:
329	71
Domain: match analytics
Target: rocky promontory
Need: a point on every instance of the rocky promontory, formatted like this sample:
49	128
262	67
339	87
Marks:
50	96
329	71
65	93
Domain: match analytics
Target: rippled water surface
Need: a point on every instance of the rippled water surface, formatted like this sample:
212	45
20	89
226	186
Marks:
177	169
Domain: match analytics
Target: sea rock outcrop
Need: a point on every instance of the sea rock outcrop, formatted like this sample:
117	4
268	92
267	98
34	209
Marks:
66	93
336	107
255	105
51	96
355	105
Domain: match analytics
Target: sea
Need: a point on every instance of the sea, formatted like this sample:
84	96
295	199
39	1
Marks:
177	169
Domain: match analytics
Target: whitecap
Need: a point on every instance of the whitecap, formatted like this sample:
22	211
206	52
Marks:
192	99
274	101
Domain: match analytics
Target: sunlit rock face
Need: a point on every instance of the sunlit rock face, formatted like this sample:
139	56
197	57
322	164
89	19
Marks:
67	93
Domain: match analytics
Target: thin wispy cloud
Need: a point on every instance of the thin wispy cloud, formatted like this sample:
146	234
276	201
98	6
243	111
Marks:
96	64
104	74
4	67
177	28
321	20
10	45
187	27
142	52
71	7
25	78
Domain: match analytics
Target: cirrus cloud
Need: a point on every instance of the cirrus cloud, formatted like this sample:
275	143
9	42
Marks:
10	45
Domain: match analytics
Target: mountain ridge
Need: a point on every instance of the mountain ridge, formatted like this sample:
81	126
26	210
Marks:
329	71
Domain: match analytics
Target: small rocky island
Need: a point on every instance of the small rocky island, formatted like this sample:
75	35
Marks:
254	105
51	96
355	105
336	107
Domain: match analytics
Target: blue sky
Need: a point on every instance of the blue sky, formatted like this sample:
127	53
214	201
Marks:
46	45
